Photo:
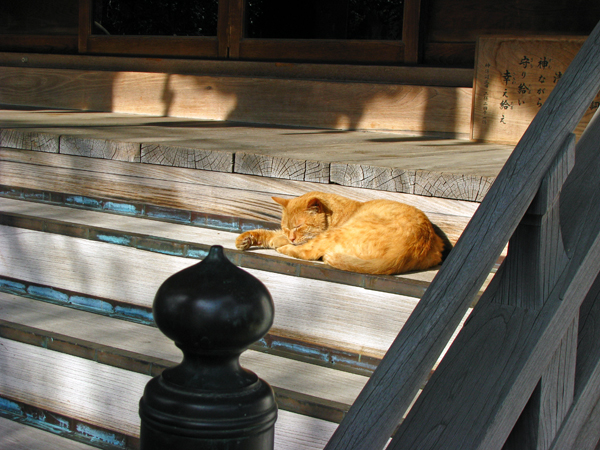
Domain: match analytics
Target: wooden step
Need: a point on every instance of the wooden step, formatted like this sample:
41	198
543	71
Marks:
105	398
427	166
300	387
192	242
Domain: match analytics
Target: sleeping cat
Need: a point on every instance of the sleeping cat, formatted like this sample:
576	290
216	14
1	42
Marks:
376	237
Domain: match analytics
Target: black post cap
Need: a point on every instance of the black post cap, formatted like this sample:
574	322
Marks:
213	311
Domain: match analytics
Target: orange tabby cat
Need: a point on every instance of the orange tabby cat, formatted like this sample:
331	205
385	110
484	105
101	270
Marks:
377	236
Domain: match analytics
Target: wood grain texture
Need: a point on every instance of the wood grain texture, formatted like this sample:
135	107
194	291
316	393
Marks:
447	167
32	140
134	230
321	104
581	425
290	169
526	345
186	157
371	177
493	366
387	395
447	185
100	148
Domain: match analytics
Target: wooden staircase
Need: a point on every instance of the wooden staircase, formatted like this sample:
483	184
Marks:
86	242
92	226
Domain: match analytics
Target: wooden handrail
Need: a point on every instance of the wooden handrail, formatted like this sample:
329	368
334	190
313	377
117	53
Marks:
388	394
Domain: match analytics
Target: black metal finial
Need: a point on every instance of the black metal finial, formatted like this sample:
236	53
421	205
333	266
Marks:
213	311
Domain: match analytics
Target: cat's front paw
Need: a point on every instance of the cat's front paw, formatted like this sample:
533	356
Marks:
245	240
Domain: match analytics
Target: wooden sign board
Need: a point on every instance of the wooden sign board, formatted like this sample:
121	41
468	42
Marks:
513	78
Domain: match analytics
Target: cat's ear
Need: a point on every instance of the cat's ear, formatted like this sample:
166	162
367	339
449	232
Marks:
282	201
314	205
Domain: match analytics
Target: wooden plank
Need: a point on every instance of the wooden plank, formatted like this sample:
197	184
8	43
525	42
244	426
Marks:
234	28
85	25
419	182
187	157
541	256
289	169
513	79
396	381
64	384
173	238
321	104
310	310
18	436
144	232
148	343
29	140
535	328
109	398
464	167
36	42
416	75
372	177
467	187
523	282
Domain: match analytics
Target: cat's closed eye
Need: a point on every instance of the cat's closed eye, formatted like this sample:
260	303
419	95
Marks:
293	233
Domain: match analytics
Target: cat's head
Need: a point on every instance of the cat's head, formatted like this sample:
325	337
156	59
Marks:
303	218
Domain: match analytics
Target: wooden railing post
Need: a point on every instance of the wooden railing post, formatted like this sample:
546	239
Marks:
213	311
534	263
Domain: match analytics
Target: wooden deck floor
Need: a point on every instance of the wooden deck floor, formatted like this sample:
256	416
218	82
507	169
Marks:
430	166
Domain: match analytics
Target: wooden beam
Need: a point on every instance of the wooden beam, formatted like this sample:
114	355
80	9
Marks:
411	31
418	76
179	46
320	104
85	25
